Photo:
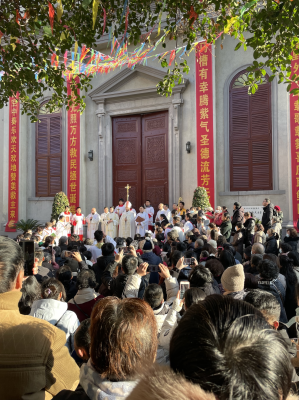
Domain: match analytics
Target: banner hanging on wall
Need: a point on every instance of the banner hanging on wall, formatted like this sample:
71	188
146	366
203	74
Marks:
73	145
13	163
204	118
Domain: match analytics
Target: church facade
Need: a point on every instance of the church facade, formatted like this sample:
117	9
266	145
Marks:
131	135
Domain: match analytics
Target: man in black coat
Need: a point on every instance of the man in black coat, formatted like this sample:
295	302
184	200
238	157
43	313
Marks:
238	216
267	214
102	261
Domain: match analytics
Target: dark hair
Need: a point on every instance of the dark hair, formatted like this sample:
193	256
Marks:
227	259
221	240
272	257
239	225
129	264
123	335
226	216
288	271
181	247
137	236
251	281
215	267
175	256
293	232
209	248
166	247
98	235
192	238
11	263
294	256
193	296
259	227
82	336
268	270
129	240
86	279
107	249
64	274
39	254
160	237
182	203
63	240
285	247
199	276
153	295
88	255
31	291
57	251
235	357
51	288
256	259
265	302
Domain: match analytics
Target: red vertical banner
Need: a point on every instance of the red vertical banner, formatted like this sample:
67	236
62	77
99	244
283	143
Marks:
73	142
204	118
13	162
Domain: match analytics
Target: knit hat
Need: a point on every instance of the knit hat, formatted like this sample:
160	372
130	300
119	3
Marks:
237	204
277	208
146	245
233	278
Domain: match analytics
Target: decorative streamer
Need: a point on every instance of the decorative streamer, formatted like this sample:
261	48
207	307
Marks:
59	10
104	22
51	15
95	6
172	57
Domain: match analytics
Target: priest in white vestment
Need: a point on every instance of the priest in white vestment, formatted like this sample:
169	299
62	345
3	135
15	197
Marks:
167	212
150	212
78	221
104	220
112	223
188	226
68	218
142	226
93	219
127	222
62	227
48	231
120	208
159	212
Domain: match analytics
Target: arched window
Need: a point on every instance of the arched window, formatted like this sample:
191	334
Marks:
250	136
48	152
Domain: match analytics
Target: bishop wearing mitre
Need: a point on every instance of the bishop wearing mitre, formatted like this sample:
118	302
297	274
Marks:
93	219
127	222
112	222
141	222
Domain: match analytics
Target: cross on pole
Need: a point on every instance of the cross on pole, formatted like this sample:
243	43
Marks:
128	187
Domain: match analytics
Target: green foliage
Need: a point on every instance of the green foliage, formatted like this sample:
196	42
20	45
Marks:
59	204
27	224
201	198
28	43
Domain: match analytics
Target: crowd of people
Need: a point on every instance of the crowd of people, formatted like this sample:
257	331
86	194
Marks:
201	306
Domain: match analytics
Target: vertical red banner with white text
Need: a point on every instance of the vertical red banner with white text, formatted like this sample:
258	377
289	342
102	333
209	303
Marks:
73	145
13	163
204	118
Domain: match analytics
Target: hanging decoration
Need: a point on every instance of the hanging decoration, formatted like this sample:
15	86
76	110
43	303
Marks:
51	15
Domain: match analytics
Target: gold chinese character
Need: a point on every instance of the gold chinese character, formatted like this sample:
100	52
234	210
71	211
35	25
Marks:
295	56
203	87
13	139
14	102
296	106
203	73
13	186
204	153
73	118
73	175
73	152
73	209
73	198
204	141
205	166
297	193
73	141
13	130
204	100
296	118
73	186
13	158
14	110
12	214
203	60
297	144
205	180
13	195
12	204
73	130
204	113
204	125
13	167
297	130
13	148
14	121
13	176
297	169
73	164
297	208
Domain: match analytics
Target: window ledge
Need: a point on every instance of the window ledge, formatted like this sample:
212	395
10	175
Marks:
40	198
252	192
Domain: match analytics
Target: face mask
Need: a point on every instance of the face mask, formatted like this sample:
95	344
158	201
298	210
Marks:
267	235
280	251
287	235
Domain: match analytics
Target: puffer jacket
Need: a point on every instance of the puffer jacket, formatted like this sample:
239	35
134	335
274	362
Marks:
271	246
267	216
238	216
33	355
226	229
292	241
259	237
56	312
238	241
94	387
249	225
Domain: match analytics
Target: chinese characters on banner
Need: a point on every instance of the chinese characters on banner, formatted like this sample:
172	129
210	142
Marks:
73	179
13	163
204	117
294	125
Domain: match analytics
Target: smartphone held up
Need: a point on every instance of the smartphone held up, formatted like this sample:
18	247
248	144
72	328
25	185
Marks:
184	285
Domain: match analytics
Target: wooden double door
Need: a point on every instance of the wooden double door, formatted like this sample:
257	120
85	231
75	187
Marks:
140	158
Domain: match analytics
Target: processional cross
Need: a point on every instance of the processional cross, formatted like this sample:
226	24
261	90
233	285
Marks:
128	187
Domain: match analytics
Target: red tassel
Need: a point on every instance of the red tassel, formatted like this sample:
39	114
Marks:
51	15
18	17
172	56
192	15
104	21
53	58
